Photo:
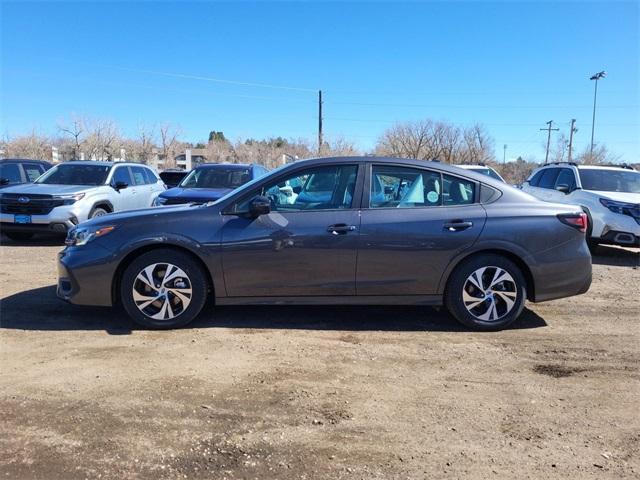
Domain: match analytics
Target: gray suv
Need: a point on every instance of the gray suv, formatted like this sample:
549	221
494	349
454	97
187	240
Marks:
341	231
73	192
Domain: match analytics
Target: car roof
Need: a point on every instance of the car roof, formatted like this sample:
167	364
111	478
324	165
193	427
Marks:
226	165
30	160
102	163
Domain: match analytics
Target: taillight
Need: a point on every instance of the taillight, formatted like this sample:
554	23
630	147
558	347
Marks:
575	220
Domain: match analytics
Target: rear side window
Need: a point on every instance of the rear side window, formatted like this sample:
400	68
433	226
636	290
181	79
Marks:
566	177
548	179
404	187
122	175
139	176
32	171
149	175
458	191
10	172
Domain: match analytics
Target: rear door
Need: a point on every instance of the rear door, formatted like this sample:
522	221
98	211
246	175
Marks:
413	222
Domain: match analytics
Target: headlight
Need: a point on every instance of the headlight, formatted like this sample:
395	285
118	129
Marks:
79	236
158	201
622	208
69	199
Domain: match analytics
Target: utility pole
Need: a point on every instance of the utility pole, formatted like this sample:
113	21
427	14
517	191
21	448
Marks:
549	129
504	153
319	122
595	77
571	132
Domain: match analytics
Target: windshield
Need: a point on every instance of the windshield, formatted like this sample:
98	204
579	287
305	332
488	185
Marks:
489	172
216	178
604	180
78	174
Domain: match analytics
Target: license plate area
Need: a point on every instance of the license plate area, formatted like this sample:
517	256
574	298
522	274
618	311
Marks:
22	219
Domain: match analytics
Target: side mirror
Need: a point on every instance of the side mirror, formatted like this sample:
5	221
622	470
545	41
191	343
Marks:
563	188
120	185
4	181
259	205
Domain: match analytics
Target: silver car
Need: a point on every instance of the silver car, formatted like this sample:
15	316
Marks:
73	192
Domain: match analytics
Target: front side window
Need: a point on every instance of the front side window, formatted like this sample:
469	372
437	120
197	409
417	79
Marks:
75	174
208	177
610	180
10	172
566	177
320	188
122	175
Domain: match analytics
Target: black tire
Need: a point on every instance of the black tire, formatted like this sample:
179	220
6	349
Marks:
456	283
195	278
19	236
97	212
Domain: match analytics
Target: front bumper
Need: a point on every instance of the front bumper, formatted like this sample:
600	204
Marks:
59	220
85	275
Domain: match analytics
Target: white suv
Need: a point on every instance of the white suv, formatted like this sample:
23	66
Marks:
610	195
72	192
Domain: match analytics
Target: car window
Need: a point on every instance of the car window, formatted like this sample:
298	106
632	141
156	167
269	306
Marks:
536	178
216	177
319	188
122	175
139	176
566	177
150	175
32	171
548	179
11	172
404	187
457	191
610	180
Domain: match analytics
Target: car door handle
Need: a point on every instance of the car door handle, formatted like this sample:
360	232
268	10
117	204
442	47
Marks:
457	225
341	228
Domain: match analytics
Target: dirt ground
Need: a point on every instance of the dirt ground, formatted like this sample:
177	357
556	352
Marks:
318	392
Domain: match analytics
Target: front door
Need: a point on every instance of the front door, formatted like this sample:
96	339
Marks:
306	246
126	198
417	220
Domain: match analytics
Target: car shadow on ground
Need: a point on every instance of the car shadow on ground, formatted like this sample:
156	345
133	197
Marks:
44	240
39	309
616	256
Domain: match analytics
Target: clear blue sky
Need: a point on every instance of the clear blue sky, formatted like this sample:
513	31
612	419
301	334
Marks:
511	66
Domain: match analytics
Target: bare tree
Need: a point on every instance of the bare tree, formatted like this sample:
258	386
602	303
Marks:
600	155
169	144
74	130
103	140
34	145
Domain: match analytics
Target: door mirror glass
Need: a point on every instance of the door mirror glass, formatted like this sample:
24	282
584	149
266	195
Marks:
563	188
120	185
259	205
4	181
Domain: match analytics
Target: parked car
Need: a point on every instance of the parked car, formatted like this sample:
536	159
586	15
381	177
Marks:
433	235
609	195
483	169
73	192
173	176
14	171
209	182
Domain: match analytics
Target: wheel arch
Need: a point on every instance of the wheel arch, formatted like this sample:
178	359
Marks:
106	204
515	258
130	256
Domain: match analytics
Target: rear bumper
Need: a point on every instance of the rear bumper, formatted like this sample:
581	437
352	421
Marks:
562	271
624	239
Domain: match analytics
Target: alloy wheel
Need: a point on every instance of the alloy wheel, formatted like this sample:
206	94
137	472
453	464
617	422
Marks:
489	293
162	291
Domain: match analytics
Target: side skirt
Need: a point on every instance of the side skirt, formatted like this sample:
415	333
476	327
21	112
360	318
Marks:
431	300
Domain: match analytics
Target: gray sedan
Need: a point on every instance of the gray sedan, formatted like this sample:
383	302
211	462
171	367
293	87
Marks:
352	230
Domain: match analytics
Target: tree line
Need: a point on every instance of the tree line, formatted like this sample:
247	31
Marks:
99	139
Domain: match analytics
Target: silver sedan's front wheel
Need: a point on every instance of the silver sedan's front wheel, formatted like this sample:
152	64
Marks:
486	291
164	288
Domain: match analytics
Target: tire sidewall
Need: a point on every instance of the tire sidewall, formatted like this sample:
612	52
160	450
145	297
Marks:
453	294
181	260
97	212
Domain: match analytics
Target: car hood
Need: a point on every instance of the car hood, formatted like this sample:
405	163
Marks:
44	189
204	194
618	196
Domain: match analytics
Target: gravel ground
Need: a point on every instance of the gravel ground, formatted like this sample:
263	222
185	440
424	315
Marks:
318	392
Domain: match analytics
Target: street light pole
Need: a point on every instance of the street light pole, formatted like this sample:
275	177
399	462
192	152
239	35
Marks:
595	77
504	153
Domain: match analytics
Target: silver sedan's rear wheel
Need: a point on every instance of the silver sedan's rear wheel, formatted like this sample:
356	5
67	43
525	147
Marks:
486	292
164	288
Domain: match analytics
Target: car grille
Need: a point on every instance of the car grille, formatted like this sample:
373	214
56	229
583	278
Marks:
35	205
